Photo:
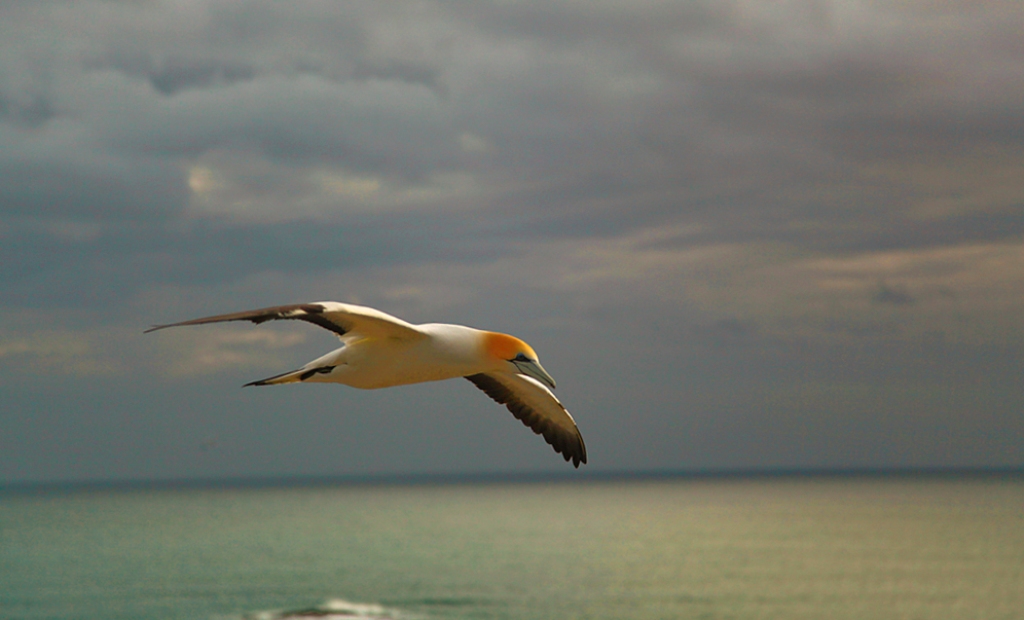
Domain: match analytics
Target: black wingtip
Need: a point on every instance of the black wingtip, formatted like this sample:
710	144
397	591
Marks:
577	460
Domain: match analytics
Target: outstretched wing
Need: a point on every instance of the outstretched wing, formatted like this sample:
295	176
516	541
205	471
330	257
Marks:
337	317
532	403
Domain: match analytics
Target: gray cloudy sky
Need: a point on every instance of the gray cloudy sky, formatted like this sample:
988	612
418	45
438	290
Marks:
739	234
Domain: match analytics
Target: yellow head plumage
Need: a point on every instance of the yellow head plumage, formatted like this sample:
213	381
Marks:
505	347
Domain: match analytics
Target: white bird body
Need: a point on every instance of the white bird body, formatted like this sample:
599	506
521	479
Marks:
379	350
435	353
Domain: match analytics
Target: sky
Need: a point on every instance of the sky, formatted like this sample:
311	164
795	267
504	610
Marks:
740	235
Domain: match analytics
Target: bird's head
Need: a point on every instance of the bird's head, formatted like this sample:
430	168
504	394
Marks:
518	355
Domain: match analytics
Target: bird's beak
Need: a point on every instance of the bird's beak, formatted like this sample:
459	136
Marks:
532	368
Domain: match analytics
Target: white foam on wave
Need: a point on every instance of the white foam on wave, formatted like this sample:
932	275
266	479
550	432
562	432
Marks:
332	609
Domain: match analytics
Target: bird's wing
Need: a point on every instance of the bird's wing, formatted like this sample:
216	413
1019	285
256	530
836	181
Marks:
536	407
337	317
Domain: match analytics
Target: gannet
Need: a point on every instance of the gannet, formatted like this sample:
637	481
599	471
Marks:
379	350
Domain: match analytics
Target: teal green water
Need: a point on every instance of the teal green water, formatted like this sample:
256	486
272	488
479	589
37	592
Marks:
856	548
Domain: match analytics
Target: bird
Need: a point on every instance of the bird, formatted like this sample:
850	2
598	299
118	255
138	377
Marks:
379	350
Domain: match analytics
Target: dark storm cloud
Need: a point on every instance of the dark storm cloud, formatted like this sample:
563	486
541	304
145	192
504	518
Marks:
128	100
106	266
177	74
386	127
717	98
743	121
753	125
31	111
88	185
893	295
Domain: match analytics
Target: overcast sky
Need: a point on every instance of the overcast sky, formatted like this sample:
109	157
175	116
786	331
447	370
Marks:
738	234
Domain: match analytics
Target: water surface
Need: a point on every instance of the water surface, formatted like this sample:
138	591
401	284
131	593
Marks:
731	548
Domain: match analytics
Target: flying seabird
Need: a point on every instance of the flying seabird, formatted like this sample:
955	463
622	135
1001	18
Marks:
379	350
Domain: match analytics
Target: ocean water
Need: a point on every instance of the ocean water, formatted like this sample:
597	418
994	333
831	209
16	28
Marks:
901	547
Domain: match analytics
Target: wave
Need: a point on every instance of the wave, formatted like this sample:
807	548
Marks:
333	609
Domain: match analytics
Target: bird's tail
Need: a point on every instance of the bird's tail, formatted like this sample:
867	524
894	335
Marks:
294	376
288	377
320	366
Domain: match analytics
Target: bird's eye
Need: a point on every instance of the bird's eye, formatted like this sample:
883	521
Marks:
521	357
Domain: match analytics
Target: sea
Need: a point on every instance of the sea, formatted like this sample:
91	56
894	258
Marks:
858	547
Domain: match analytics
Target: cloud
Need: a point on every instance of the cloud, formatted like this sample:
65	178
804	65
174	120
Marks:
815	128
55	353
222	349
58	172
897	296
739	111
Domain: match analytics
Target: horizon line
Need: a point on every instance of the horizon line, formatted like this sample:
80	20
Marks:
368	479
